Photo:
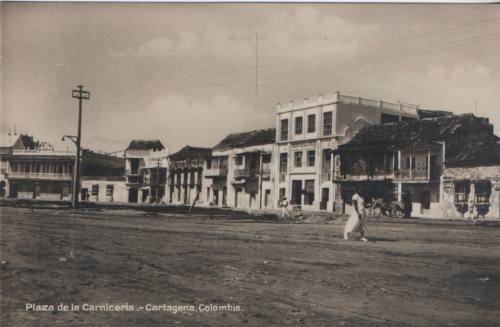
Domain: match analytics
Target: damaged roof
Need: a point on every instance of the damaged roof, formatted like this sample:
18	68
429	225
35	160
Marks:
257	137
468	139
154	145
423	114
191	153
476	154
97	164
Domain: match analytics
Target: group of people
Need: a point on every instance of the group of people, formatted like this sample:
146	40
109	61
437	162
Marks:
357	219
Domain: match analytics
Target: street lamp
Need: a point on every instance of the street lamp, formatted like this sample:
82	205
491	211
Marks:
76	171
79	94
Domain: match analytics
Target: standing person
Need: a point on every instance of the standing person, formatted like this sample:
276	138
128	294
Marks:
407	205
357	219
284	208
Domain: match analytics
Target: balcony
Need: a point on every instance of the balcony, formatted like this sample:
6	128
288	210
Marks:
216	172
244	173
133	179
40	176
361	177
131	172
422	174
266	172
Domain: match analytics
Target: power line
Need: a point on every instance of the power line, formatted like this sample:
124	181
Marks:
396	55
186	78
397	39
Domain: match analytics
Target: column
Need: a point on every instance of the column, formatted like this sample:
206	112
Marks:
429	164
411	165
471	200
399	161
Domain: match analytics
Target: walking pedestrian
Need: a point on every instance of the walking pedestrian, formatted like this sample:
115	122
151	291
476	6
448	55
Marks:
284	208
357	219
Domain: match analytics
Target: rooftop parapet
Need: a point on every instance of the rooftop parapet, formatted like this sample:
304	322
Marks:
336	97
43	152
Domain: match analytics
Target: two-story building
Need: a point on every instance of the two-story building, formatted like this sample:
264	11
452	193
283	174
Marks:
410	157
240	172
308	131
185	175
34	170
146	163
102	178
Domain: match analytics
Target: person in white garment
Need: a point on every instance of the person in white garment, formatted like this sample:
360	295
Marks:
284	208
357	219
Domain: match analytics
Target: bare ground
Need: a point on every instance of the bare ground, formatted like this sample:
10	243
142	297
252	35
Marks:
411	273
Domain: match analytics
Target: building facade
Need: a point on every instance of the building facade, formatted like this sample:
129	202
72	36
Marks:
102	178
307	132
240	172
40	173
424	159
104	189
471	182
185	175
146	163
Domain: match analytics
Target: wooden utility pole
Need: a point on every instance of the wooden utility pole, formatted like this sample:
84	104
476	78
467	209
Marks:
79	94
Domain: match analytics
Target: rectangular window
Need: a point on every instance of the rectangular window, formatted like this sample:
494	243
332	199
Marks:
95	189
311	123
327	158
284	130
311	158
327	123
283	162
209	163
109	190
298	125
134	166
239	160
309	192
266	158
483	192
298	159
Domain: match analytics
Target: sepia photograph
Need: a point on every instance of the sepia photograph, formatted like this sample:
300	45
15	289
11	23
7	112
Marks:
249	164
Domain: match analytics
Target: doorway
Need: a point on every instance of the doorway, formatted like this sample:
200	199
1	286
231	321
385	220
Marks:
216	197
83	195
267	198
224	196
186	195
296	192
133	195
237	193
13	191
425	199
145	194
325	194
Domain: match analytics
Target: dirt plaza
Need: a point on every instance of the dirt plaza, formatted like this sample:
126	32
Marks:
131	268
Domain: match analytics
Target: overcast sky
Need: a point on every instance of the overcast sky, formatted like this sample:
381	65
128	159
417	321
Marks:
186	73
